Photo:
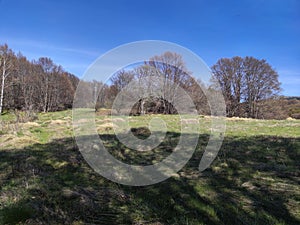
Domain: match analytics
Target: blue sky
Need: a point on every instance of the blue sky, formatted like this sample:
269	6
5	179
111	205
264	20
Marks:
75	33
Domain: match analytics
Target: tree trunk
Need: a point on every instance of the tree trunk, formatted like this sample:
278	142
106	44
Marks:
142	106
2	87
2	92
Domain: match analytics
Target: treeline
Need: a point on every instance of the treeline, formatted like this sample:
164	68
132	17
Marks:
38	85
250	87
155	85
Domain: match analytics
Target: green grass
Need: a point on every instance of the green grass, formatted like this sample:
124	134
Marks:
254	179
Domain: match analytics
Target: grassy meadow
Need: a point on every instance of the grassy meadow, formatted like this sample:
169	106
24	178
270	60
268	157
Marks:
45	180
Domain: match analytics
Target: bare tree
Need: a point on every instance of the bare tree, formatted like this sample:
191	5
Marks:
196	90
172	67
34	86
67	88
244	83
5	68
46	80
119	81
147	84
261	82
157	83
25	82
229	74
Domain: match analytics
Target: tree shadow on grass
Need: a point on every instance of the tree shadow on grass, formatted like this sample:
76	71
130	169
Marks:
254	180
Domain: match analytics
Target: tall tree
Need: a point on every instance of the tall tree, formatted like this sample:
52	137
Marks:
157	84
245	82
5	69
147	84
229	74
119	81
171	67
67	88
261	82
25	82
46	80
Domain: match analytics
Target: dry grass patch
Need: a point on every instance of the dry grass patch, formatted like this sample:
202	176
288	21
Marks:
240	119
58	122
290	118
30	124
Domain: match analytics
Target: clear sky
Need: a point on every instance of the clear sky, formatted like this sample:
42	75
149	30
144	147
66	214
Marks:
75	33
